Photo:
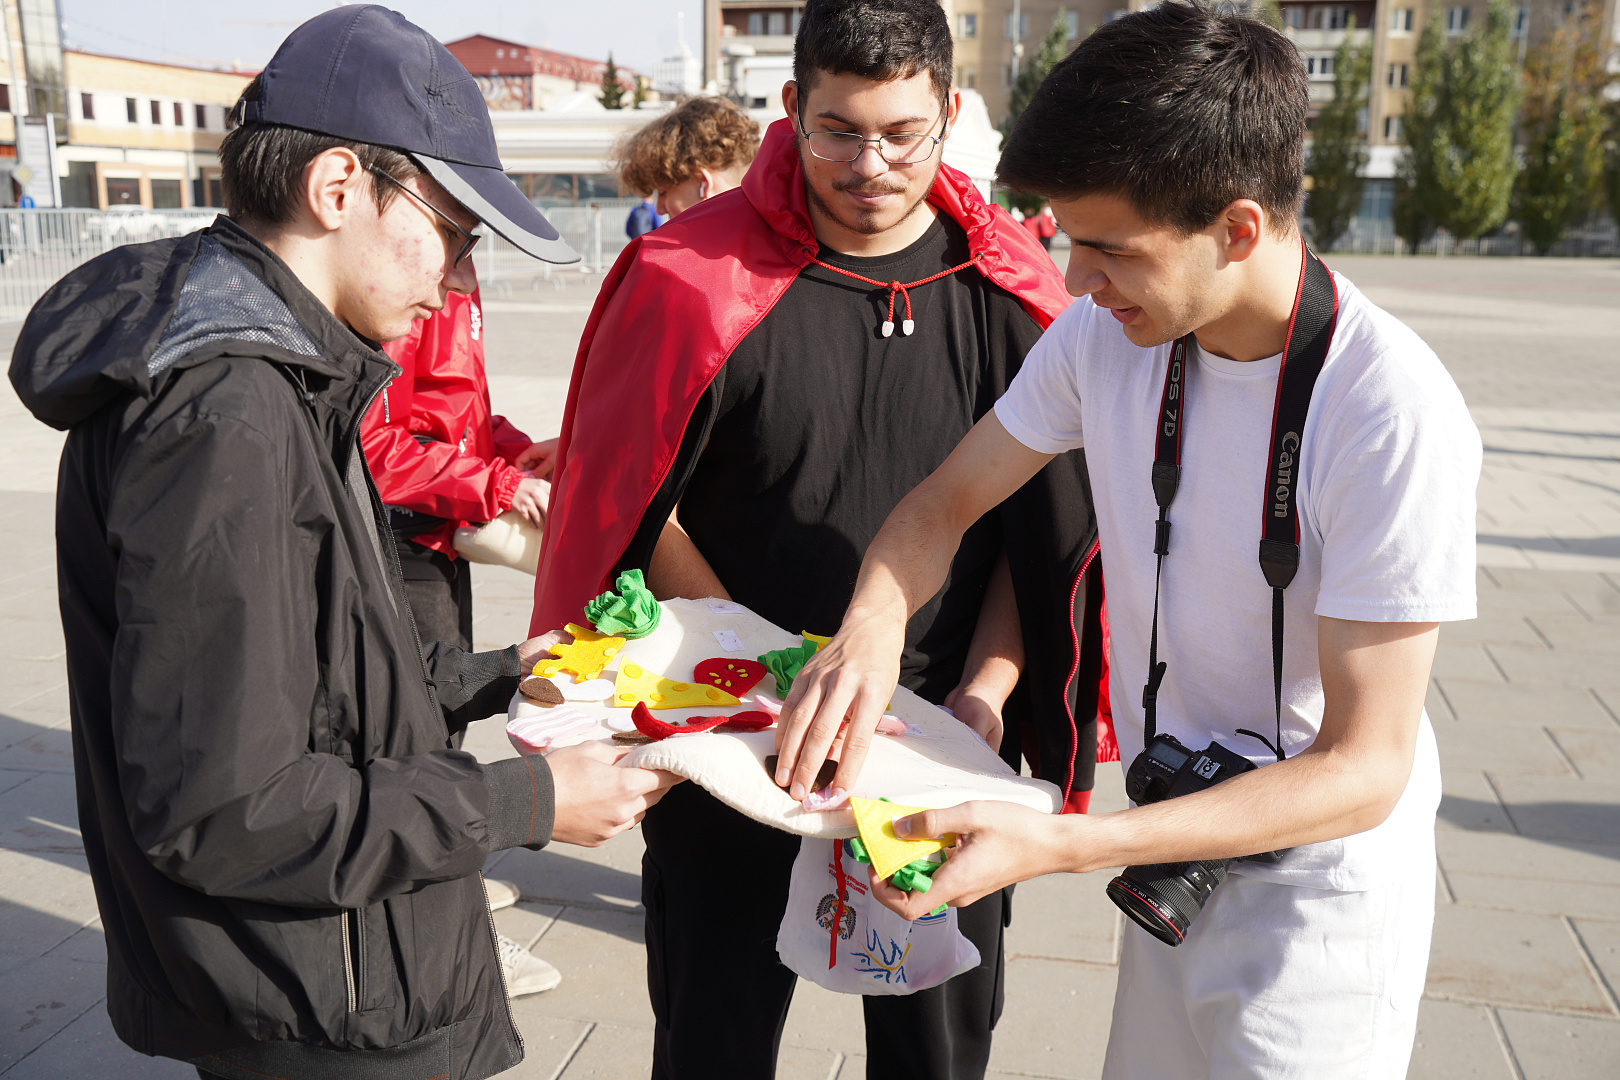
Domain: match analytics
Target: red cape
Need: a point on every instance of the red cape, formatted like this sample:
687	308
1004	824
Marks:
720	266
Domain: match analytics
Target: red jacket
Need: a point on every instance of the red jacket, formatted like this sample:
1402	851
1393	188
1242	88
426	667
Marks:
674	306
463	470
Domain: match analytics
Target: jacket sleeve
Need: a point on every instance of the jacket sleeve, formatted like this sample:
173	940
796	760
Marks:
472	685
509	441
224	766
435	477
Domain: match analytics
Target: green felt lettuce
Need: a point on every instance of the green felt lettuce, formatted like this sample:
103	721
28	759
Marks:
632	612
916	876
786	664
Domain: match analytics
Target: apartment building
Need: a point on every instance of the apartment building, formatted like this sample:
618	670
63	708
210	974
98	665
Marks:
991	46
141	133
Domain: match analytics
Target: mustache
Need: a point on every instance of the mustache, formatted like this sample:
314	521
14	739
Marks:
861	187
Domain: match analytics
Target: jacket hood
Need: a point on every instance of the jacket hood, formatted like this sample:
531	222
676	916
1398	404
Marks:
116	324
774	186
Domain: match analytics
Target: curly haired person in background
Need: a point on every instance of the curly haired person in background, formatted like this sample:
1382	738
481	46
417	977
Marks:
700	148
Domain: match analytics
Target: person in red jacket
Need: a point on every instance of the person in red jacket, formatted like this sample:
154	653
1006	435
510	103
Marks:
440	459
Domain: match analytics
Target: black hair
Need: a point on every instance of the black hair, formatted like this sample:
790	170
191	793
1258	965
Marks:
1181	109
261	166
881	40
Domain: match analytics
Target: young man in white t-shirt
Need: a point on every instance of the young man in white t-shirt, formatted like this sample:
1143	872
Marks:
1170	146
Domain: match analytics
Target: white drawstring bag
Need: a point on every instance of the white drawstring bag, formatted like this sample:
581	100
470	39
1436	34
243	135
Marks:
837	935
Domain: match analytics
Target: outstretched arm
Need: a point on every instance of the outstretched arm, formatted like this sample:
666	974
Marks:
1347	781
854	675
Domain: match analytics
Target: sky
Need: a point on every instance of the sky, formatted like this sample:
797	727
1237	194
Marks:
212	33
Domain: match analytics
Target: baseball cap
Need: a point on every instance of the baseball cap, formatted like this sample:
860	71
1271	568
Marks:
368	74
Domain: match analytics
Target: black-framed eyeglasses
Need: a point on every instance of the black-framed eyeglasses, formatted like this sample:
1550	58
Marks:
468	240
901	149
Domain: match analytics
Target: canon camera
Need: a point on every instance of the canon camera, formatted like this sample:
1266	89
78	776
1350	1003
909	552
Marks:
1165	898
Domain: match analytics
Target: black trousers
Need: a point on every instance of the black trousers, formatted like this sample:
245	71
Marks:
715	885
439	590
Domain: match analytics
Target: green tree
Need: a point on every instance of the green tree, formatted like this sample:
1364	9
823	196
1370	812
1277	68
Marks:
1268	12
1415	182
1473	136
1048	54
1338	144
612	89
1564	128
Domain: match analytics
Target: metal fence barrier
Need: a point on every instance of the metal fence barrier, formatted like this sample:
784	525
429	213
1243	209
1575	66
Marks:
1376	236
37	247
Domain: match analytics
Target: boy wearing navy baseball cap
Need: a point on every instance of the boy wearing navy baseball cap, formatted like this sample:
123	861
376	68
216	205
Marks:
284	842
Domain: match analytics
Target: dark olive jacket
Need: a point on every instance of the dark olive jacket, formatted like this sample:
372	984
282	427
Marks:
284	845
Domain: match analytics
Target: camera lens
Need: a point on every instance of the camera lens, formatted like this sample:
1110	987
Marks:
1164	898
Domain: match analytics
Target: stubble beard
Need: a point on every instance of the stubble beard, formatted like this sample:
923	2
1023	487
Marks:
866	221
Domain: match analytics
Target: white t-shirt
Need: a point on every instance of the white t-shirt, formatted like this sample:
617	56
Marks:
1389	462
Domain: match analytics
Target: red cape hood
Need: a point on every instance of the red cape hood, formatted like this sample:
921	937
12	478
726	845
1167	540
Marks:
674	306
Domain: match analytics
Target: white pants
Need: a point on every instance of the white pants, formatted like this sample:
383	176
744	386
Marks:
1278	981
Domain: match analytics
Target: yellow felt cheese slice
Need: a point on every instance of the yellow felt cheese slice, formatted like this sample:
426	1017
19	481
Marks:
875	820
635	683
585	657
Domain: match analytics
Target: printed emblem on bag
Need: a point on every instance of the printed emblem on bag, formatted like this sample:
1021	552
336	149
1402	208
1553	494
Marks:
826	912
880	962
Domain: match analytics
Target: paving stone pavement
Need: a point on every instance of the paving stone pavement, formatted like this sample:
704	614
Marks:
1526	702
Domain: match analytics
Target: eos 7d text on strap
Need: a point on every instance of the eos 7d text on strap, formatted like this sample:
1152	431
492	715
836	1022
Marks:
1310	331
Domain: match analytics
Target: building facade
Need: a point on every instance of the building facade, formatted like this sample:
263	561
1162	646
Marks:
143	134
514	76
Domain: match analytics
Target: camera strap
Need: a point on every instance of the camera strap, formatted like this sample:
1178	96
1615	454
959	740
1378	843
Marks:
1310	332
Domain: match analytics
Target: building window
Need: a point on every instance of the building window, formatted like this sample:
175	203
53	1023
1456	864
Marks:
87	106
179	115
1319	67
967	26
967	78
165	194
1073	18
123	191
1456	20
1400	20
202	118
129	110
1397	75
1294	18
1007	26
1392	128
5	97
1521	22
1336	18
157	114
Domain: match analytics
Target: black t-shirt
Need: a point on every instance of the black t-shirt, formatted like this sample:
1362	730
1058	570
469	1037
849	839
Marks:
819	425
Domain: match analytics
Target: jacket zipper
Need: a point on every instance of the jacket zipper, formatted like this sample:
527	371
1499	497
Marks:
350	974
500	969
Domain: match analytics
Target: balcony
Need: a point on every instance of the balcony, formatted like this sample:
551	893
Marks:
1327	39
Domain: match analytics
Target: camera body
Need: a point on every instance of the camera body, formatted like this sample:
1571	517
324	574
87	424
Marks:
1165	898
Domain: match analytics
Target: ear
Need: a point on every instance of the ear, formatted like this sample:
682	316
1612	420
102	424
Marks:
1241	229
953	109
333	182
790	99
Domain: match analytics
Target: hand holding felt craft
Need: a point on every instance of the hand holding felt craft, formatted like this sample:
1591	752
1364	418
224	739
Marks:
584	657
632	612
874	818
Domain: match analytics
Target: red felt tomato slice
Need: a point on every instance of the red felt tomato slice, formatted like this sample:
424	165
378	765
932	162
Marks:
654	728
735	677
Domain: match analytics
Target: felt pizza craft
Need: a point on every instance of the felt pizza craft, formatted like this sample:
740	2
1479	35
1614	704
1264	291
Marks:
637	684
731	675
584	657
666	694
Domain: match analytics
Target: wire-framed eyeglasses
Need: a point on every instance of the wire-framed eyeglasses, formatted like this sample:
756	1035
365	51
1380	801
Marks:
901	149
468	240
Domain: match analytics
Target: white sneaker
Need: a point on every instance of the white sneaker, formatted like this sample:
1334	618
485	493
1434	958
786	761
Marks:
525	973
502	894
